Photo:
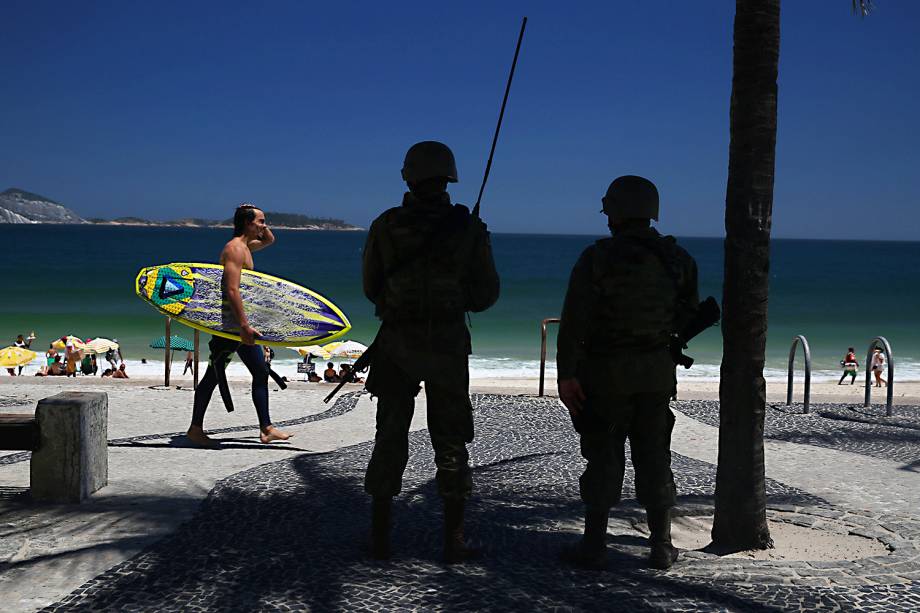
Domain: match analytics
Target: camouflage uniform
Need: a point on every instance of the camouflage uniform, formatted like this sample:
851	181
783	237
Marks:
626	296
426	263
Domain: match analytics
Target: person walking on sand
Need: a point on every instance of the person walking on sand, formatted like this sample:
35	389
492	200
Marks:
425	263
189	362
850	366
627	295
878	364
249	234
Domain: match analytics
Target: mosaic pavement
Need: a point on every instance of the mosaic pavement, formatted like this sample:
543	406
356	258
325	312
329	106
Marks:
845	427
291	535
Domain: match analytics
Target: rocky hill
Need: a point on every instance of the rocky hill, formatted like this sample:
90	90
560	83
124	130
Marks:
20	206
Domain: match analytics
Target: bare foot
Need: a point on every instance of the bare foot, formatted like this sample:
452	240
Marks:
198	437
272	433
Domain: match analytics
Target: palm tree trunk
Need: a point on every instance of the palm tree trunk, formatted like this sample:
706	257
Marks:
740	512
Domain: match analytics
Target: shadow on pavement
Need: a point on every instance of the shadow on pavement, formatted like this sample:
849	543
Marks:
292	535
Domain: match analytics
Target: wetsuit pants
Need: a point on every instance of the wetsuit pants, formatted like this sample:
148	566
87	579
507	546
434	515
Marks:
254	359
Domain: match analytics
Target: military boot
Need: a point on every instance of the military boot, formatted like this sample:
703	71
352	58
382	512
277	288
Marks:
590	552
380	527
456	549
662	553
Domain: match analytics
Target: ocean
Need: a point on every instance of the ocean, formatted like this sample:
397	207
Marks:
78	279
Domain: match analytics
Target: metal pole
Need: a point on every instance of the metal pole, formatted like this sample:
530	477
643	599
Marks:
548	320
805	348
542	354
195	367
886	347
166	376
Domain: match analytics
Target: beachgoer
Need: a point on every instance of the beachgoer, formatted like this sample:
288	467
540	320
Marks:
111	359
108	372
329	375
850	366
119	354
189	362
425	263
11	371
120	373
308	360
249	234
345	373
878	364
50	355
626	296
73	357
23	344
56	368
312	377
86	365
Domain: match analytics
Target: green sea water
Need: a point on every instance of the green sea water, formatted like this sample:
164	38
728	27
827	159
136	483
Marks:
79	280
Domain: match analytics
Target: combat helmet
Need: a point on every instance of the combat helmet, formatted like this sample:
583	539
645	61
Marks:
631	197
427	160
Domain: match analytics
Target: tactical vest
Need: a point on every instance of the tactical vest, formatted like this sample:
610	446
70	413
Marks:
427	256
635	285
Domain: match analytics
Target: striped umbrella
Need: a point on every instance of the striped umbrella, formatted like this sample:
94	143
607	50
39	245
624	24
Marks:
176	343
99	345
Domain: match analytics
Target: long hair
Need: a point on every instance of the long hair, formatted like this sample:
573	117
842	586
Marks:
244	215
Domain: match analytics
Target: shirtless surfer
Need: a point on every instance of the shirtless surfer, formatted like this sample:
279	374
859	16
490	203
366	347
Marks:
249	234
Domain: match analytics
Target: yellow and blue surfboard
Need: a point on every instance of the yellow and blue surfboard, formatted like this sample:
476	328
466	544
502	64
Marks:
284	313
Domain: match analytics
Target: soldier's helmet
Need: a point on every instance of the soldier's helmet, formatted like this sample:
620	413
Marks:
429	159
631	197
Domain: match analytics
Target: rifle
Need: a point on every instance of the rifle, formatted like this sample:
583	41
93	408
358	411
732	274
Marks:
365	360
360	364
707	315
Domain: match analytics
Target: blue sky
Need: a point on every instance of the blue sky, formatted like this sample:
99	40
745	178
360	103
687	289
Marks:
172	109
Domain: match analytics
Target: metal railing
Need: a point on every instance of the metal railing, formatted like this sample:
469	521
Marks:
548	320
880	341
795	343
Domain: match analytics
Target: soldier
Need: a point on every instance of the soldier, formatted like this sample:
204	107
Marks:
426	263
627	296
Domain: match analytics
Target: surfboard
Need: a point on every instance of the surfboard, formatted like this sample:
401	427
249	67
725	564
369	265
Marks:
284	313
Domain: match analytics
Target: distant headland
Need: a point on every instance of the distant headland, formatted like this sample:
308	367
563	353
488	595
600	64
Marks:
18	206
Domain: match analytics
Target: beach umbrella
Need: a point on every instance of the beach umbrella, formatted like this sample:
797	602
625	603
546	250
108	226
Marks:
77	343
15	356
314	350
99	345
176	343
345	349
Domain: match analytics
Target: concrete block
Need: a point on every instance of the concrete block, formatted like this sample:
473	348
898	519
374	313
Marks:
72	459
